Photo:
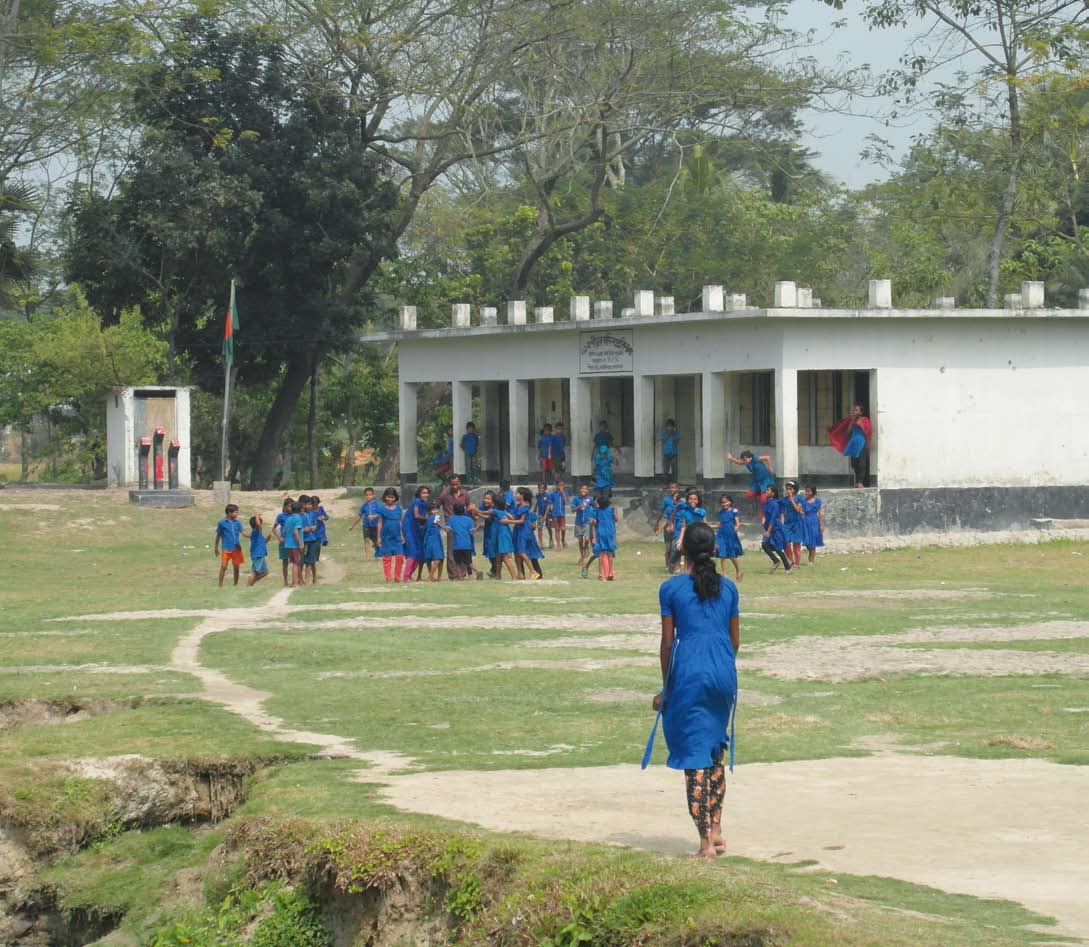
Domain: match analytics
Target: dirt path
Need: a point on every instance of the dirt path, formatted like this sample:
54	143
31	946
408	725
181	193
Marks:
1014	829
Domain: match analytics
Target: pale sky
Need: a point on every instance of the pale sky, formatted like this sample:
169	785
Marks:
839	138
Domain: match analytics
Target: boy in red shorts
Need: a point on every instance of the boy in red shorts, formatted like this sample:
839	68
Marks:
228	546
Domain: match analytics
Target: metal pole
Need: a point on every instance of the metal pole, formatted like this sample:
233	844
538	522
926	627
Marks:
226	421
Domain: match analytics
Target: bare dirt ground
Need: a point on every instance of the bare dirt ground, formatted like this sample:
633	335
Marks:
1014	829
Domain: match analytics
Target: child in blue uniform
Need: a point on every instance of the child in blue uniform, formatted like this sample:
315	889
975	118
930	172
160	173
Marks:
762	471
485	513
559	450
413	545
581	506
391	546
228	538
258	551
557	505
604	526
434	553
507	494
526	548
461	528
470	447
293	542
279	535
669	437
544	512
504	538
793	523
368	516
727	540
691	511
603	469
544	453
664	523
774	538
813	526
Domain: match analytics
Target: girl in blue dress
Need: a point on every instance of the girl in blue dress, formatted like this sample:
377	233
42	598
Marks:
504	538
701	634
761	470
391	542
413	547
434	552
691	511
774	538
603	468
727	540
813	525
485	514
526	548
793	523
604	530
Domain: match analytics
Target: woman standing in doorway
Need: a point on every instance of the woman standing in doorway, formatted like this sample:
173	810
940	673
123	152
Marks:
701	634
851	437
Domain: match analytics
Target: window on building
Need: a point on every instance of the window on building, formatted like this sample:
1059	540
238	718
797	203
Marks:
757	408
822	401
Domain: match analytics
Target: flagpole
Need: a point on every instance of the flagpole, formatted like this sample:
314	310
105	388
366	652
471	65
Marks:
225	427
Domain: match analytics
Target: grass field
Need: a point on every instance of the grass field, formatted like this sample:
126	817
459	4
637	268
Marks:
974	653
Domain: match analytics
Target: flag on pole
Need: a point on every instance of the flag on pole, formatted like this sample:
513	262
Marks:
229	329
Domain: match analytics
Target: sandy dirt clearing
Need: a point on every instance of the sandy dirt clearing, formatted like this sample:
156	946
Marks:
1015	829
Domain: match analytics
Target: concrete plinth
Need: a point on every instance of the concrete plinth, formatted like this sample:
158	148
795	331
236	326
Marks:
221	491
164	499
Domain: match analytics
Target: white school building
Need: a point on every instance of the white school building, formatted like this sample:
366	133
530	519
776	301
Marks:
958	398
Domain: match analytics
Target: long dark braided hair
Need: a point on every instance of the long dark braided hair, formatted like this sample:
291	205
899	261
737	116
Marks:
699	550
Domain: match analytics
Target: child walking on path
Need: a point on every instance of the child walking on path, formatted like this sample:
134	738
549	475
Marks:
727	540
557	514
582	506
368	516
280	535
669	437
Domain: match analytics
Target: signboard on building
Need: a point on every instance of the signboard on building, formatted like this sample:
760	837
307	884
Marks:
608	352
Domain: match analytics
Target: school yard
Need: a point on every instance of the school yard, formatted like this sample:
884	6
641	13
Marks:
913	731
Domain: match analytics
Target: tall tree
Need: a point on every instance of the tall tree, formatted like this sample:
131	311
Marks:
1003	42
279	194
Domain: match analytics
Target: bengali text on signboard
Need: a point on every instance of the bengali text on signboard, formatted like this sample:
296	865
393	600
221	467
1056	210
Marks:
606	352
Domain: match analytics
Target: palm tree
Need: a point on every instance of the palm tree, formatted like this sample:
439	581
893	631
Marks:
19	266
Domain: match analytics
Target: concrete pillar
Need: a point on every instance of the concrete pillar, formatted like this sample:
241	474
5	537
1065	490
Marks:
664	306
644	432
714	426
487	426
880	294
1013	301
1083	298
580	308
580	432
805	297
603	309
406	411
786	295
184	433
516	312
408	318
543	314
786	422
462	408
712	298
518	413
1032	294
489	316
736	301
644	303
731	431
461	315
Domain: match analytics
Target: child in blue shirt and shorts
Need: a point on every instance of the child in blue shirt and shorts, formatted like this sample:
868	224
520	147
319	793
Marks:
258	551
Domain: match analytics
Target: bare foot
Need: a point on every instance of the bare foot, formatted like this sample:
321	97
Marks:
704	854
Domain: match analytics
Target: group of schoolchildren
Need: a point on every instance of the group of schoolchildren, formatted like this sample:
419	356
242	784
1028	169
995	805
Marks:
429	534
299	529
788	522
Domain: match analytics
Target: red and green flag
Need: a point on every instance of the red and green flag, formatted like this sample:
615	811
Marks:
229	329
